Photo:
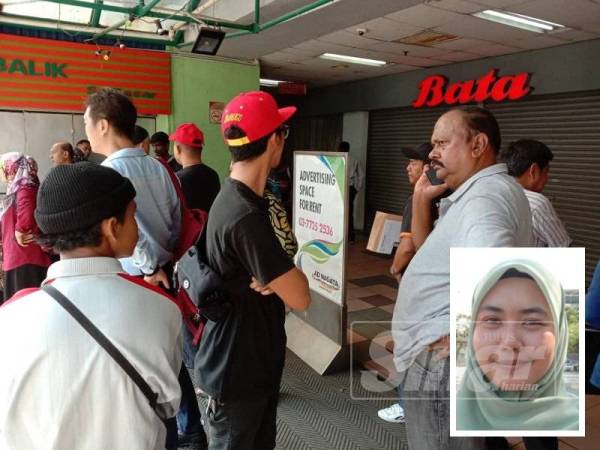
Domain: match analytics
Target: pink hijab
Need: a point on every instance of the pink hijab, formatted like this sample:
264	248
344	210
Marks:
23	170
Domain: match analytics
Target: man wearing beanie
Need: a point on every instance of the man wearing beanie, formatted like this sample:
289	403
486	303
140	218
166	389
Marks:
240	359
59	388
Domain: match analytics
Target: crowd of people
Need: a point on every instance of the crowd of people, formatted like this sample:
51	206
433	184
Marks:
115	215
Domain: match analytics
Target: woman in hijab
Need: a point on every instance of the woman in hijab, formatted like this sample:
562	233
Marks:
24	261
516	354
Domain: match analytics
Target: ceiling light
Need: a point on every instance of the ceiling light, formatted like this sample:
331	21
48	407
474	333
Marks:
353	59
518	21
269	83
208	41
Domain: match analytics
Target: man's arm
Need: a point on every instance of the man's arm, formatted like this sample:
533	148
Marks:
292	288
271	269
404	253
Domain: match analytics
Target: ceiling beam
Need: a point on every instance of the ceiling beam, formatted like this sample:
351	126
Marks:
95	19
79	28
283	18
192	5
149	13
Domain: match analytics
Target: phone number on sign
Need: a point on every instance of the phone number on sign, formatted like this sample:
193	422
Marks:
315	226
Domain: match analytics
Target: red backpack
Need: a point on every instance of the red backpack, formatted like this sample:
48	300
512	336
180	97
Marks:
193	221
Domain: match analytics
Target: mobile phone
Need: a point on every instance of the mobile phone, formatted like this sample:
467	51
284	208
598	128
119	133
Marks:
433	179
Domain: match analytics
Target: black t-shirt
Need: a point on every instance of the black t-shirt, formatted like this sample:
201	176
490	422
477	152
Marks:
200	185
407	214
173	164
243	355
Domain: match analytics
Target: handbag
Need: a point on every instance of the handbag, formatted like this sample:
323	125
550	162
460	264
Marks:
110	348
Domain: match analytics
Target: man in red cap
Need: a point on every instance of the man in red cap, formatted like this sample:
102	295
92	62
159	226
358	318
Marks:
200	184
240	359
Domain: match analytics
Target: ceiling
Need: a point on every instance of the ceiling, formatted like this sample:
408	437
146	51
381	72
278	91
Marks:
290	50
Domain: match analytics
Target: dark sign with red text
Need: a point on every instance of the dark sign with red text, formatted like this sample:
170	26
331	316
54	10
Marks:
436	90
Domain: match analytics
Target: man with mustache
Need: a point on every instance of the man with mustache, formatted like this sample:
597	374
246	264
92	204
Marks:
486	209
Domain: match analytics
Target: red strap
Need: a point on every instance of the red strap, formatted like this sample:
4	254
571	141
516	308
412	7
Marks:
19	294
144	284
175	181
198	334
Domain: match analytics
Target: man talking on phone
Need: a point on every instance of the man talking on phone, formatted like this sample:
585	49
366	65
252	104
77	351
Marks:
486	209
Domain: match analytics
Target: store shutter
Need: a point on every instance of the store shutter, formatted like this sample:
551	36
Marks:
570	125
322	133
387	186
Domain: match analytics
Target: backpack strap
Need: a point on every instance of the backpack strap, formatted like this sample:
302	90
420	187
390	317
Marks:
175	182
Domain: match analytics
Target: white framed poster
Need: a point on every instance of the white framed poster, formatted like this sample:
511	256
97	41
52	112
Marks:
320	184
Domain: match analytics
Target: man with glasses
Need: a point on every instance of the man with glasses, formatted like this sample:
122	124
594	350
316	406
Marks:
239	362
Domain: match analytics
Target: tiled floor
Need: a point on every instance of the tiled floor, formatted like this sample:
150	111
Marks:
370	297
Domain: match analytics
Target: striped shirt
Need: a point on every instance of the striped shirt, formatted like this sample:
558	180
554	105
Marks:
548	230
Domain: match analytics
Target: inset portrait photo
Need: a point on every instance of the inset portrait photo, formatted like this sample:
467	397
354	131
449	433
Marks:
517	342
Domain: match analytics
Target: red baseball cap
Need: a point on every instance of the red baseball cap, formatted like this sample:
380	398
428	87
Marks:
256	114
188	134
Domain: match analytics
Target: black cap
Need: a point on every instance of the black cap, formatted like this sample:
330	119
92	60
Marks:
77	196
159	136
421	152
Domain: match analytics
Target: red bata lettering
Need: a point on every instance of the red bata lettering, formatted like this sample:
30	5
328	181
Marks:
510	87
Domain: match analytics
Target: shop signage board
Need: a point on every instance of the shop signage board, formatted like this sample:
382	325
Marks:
54	75
319	220
292	88
436	90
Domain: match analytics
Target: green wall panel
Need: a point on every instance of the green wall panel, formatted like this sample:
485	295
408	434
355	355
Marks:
195	83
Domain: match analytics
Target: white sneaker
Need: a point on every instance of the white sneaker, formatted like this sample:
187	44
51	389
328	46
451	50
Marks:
393	414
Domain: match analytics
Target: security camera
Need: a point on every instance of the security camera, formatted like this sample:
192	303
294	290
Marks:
361	31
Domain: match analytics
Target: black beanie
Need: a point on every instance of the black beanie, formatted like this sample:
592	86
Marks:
78	196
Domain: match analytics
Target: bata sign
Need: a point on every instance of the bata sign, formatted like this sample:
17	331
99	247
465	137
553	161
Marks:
435	90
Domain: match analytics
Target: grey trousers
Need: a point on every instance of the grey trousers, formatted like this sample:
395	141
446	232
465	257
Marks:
426	401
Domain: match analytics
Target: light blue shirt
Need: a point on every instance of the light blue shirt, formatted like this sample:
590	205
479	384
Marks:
158	212
488	210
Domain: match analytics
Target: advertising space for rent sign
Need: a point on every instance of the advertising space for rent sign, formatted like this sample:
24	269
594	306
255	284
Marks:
320	219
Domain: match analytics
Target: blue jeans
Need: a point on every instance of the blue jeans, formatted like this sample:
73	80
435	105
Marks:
426	403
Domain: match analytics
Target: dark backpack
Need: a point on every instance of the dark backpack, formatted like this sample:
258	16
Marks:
201	293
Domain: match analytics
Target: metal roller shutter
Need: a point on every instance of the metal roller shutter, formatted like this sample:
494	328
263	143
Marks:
322	133
387	186
570	125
